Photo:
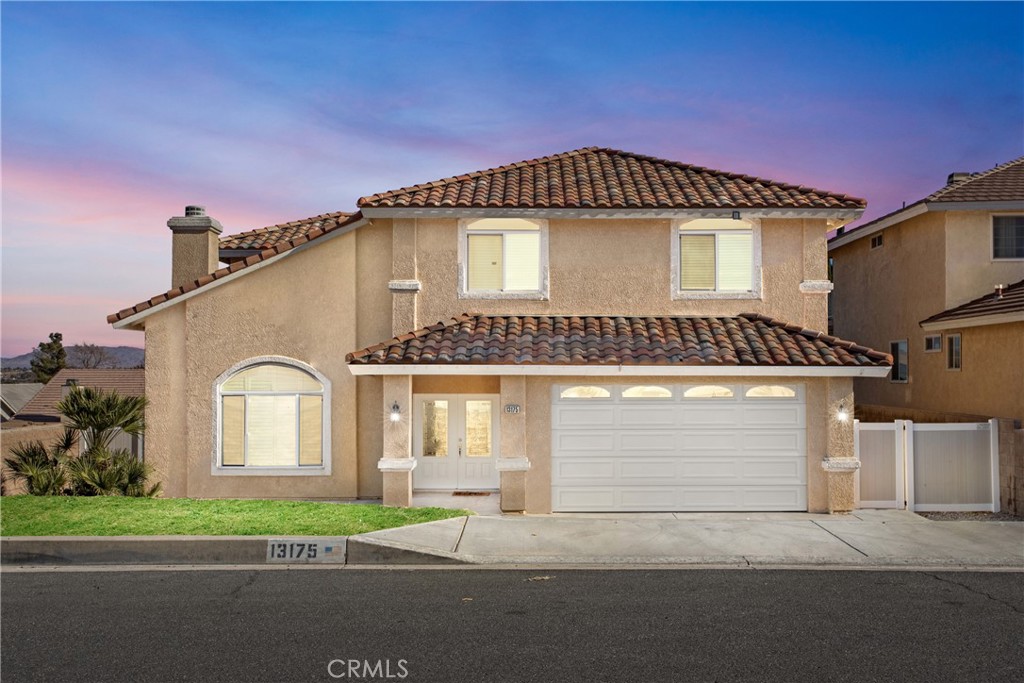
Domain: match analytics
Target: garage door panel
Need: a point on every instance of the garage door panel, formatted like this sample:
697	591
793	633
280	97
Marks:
774	498
691	415
584	416
584	470
568	443
659	470
704	470
647	416
705	441
583	499
772	441
648	441
772	416
774	470
644	499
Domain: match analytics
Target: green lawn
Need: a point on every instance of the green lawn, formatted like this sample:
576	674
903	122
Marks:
110	516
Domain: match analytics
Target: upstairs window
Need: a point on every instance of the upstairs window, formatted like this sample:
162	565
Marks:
717	256
953	352
271	416
877	241
504	257
1008	237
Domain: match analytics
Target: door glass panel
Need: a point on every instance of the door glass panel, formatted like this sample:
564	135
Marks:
478	429
435	429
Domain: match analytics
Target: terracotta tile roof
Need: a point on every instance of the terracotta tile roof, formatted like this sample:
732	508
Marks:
595	177
1012	301
270	237
748	339
281	247
1002	183
42	407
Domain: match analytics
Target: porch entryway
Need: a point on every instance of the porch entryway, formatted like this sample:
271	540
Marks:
455	442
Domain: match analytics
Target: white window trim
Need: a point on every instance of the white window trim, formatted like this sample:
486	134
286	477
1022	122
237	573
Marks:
992	238
933	336
463	256
304	471
949	347
896	362
755	278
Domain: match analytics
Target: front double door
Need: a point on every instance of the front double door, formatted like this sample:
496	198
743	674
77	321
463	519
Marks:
455	442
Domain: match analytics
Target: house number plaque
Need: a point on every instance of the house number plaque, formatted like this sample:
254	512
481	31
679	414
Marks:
512	408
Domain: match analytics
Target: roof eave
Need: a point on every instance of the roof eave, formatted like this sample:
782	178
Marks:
833	214
975	321
625	370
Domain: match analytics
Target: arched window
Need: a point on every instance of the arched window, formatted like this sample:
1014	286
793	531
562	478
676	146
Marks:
585	392
273	415
708	391
770	391
641	391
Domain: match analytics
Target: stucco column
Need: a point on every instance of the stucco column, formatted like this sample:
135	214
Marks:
814	283
840	462
513	463
397	462
404	283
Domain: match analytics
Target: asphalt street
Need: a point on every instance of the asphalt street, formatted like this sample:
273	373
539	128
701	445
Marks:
501	625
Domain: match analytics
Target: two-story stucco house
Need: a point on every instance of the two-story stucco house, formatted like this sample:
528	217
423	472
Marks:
594	330
940	283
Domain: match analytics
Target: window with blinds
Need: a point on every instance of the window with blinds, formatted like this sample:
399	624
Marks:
716	255
503	255
271	415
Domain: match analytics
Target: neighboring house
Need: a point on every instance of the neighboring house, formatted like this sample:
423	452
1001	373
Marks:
41	410
924	282
14	396
623	333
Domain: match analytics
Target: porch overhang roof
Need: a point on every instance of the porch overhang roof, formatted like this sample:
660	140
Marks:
745	345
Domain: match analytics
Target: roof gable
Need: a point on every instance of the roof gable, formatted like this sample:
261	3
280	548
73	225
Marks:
596	177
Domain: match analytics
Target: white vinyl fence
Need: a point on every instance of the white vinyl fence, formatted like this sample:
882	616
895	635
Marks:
928	467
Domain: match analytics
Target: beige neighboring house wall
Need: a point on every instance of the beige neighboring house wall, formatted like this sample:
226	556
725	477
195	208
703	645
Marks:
930	262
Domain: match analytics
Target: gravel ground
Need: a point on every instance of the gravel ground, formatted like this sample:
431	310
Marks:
971	516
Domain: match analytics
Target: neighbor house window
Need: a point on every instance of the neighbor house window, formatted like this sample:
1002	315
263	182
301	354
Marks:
953	351
504	257
877	241
933	343
272	416
1008	237
718	256
900	361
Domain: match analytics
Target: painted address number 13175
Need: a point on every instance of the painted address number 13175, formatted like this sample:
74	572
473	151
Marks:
293	551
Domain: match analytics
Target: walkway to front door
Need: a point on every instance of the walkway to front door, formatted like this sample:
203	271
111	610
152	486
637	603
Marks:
455	442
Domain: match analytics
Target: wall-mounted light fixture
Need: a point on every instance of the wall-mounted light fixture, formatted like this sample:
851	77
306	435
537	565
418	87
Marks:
396	412
735	215
842	414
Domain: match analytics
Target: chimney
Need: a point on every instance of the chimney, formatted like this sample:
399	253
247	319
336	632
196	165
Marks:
196	245
999	291
957	177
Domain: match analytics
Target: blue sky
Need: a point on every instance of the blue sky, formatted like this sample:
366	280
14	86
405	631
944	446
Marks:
116	115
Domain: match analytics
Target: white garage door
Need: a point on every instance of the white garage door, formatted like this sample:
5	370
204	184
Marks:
692	447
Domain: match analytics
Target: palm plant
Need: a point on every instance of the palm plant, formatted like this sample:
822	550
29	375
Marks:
95	417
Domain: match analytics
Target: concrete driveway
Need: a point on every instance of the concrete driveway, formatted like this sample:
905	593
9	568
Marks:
869	538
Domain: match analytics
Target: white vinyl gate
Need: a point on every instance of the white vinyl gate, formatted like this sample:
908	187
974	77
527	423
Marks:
928	467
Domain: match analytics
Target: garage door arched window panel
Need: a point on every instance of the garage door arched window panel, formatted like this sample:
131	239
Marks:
647	391
708	391
273	417
770	391
585	392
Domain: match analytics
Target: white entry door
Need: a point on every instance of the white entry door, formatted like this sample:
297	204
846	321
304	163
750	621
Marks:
455	442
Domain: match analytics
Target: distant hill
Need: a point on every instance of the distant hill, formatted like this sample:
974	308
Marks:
121	357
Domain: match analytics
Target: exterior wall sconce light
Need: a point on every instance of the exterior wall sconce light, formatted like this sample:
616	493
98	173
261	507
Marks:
735	215
396	412
843	414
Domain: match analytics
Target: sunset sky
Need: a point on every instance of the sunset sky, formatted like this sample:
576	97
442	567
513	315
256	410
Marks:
117	115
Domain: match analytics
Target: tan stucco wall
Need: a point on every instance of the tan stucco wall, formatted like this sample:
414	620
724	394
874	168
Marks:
881	295
606	266
970	269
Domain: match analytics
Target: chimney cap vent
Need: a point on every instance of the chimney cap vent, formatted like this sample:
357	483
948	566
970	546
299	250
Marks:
194	210
957	177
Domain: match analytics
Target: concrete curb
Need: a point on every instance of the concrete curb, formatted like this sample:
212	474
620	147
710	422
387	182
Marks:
210	550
